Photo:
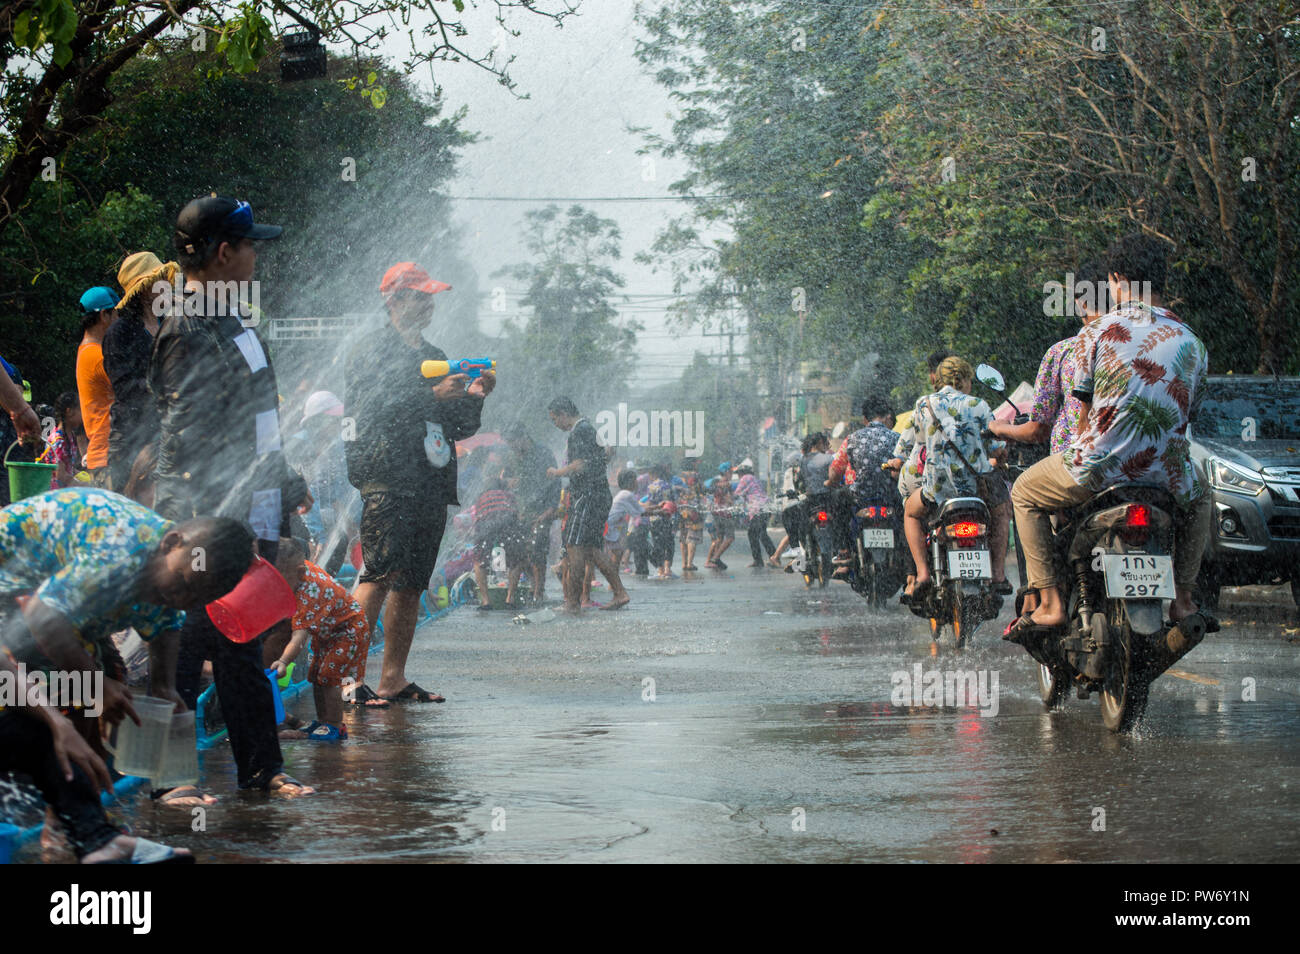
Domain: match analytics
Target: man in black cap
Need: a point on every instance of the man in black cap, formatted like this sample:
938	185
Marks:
219	455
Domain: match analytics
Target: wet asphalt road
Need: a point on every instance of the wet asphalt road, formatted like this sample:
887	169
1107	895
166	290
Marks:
772	712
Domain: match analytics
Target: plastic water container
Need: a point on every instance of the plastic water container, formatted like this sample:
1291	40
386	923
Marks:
275	694
180	764
138	749
261	600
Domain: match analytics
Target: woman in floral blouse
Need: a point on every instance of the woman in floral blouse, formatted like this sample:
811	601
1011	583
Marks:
951	424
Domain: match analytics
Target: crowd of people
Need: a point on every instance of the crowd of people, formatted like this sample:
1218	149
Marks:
174	475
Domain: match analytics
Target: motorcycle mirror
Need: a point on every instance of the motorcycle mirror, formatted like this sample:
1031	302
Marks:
991	376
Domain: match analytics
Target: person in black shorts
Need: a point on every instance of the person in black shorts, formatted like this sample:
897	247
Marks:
403	460
589	503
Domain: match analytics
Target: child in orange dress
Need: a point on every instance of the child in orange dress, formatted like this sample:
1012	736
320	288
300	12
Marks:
340	639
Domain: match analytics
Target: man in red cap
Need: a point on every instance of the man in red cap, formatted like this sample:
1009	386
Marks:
403	460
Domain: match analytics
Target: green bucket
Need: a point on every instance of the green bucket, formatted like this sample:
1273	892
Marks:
27	479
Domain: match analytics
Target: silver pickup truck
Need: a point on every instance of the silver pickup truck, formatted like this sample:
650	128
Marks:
1246	440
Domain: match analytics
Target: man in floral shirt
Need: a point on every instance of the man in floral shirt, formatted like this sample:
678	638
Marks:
1139	373
79	564
1056	411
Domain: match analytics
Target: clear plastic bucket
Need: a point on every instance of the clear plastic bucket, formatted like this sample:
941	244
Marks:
138	749
180	764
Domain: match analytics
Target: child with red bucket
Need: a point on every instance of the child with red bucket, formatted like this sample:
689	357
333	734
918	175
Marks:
340	639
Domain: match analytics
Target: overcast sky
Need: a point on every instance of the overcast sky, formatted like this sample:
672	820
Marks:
569	139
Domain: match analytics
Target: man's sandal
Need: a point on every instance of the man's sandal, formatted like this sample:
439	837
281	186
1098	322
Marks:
414	693
365	697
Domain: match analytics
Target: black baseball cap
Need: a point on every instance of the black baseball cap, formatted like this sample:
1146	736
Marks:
211	218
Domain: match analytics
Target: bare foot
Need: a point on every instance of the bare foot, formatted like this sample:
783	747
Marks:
286	786
618	602
122	848
185	796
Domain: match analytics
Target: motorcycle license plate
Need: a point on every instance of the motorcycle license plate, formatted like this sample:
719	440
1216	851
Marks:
969	565
878	538
1138	576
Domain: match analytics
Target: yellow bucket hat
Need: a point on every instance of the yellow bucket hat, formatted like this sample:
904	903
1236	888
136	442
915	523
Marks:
141	270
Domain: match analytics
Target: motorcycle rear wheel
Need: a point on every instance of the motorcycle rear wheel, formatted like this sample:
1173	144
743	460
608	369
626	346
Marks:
1125	689
1053	683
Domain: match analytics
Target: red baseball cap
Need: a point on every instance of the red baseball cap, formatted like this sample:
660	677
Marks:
412	276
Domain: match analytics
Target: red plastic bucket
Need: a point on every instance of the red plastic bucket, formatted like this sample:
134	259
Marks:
261	600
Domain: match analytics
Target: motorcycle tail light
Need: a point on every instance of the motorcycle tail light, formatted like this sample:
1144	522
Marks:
884	512
965	529
822	516
1138	516
871	513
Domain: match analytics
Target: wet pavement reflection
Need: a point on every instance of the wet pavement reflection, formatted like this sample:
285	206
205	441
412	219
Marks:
738	717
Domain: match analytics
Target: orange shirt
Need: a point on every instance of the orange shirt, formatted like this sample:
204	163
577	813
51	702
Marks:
96	393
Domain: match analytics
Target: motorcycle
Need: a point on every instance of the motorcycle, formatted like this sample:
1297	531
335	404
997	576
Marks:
962	595
816	540
1113	559
880	561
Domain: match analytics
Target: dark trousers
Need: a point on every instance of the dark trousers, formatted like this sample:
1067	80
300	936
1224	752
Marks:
242	687
663	539
244	691
638	541
759	541
27	747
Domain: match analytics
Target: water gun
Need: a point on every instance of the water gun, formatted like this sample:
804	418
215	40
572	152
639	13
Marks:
474	367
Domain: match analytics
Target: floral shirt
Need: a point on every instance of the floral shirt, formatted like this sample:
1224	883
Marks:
660	491
750	492
962	421
868	448
80	550
1142	368
1054	399
326	609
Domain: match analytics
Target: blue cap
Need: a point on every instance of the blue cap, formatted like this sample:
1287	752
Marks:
99	298
724	467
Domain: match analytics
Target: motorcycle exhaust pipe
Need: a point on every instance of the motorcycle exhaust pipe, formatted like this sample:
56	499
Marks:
1177	643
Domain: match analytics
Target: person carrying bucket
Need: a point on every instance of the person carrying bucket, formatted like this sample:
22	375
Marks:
79	564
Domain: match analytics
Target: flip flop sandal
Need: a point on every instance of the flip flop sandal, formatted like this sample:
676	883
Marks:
366	698
148	852
414	693
327	733
162	797
284	780
1024	627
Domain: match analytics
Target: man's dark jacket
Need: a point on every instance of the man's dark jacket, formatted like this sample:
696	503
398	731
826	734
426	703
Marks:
208	397
387	400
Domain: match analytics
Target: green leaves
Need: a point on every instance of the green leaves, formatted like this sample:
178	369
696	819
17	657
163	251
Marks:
53	23
245	38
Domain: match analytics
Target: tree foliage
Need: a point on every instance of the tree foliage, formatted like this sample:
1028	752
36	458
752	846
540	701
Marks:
572	341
